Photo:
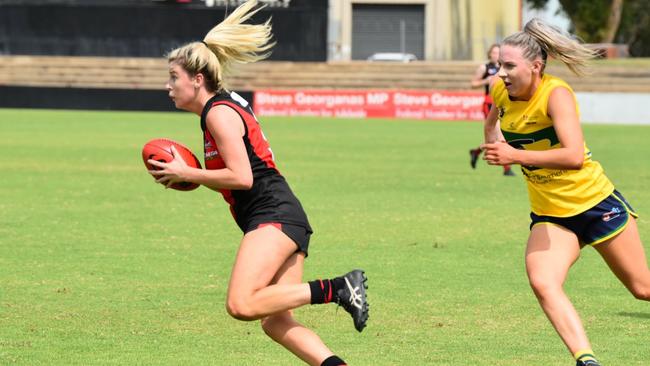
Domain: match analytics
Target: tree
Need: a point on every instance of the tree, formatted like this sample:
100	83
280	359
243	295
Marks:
608	21
595	21
613	21
635	27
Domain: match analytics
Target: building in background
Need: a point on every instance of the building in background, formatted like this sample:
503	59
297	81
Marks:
152	27
305	30
432	30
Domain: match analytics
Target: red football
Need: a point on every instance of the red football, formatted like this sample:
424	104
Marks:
161	150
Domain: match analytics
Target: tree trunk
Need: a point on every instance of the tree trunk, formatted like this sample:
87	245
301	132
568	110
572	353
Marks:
613	21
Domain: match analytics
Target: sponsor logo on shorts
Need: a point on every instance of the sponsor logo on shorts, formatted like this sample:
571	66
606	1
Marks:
611	215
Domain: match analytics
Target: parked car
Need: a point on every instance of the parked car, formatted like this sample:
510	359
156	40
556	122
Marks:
393	57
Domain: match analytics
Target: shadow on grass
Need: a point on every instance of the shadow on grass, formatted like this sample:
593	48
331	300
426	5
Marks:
635	315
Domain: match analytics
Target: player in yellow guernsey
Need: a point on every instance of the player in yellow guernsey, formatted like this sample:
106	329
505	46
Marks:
527	125
535	123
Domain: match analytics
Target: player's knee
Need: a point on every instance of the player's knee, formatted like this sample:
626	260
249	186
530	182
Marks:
542	285
240	310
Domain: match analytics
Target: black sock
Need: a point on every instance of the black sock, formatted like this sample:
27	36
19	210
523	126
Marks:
333	361
324	291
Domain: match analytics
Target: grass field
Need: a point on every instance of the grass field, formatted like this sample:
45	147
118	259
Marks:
100	266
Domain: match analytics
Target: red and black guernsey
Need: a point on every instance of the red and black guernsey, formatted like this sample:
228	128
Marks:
270	199
490	70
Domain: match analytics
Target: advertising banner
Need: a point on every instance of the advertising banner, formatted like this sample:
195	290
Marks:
411	104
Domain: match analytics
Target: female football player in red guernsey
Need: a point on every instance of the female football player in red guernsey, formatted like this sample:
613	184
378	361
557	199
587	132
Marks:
266	280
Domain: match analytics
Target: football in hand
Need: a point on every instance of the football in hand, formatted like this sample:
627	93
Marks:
161	150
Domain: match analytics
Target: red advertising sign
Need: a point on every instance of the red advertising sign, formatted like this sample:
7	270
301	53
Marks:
412	104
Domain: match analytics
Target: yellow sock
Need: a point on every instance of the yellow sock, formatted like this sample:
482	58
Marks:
585	355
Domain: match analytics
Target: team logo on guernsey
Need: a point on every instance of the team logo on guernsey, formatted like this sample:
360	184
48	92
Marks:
528	120
210	152
611	215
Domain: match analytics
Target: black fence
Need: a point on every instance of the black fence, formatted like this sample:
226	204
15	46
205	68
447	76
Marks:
92	99
149	28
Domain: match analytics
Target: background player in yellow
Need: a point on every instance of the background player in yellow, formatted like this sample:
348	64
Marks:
573	203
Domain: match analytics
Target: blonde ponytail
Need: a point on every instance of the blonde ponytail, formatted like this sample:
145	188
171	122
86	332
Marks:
227	43
539	39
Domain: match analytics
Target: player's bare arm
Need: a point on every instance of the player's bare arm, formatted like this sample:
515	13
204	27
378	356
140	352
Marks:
227	128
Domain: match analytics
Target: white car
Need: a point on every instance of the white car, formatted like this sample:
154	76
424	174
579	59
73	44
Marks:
393	57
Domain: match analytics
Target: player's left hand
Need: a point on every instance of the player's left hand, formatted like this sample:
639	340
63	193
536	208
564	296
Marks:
169	173
499	153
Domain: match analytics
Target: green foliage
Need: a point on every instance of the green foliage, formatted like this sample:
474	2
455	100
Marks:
537	4
100	266
635	27
589	22
588	17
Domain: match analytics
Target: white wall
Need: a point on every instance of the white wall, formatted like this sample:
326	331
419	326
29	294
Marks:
616	108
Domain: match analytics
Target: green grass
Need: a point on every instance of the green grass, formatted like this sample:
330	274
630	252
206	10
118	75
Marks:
100	266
